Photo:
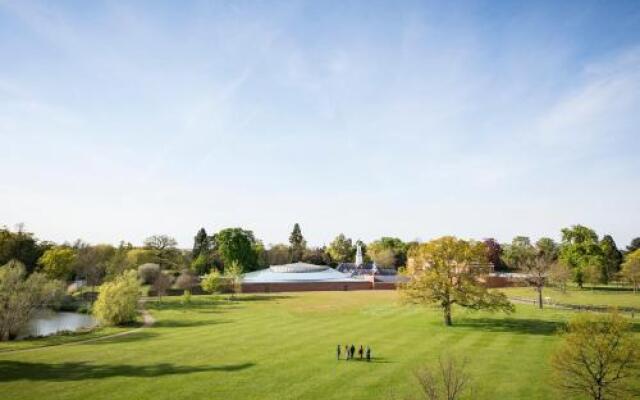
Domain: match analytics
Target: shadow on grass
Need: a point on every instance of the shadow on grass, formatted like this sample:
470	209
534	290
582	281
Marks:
128	338
513	325
178	323
261	297
72	371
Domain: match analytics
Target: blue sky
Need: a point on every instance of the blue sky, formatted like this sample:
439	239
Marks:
410	119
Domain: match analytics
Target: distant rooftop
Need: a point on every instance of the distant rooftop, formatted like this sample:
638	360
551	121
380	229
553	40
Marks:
298	272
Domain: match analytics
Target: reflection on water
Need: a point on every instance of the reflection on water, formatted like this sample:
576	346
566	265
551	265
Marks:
48	322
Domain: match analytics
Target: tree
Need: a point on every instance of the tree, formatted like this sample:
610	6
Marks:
201	265
580	247
297	244
278	254
383	257
148	272
233	276
536	262
201	243
164	250
211	282
381	249
317	256
449	381
494	253
21	246
559	275
634	245
22	295
548	248
91	262
161	284
611	258
598	357
445	272
117	300
236	245
341	250
57	262
631	269
118	262
519	249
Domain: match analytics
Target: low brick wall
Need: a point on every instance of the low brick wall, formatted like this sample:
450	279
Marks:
312	286
501	282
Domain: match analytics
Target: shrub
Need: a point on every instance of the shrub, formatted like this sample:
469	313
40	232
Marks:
162	282
187	280
148	272
211	282
117	300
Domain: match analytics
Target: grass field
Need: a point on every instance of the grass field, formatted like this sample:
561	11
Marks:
610	296
282	346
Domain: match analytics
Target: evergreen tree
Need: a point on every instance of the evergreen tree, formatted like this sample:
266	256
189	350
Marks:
612	258
200	242
298	244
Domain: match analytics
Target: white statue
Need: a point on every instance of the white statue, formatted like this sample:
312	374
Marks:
358	256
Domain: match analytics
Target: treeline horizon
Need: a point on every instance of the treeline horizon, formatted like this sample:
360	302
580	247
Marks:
579	246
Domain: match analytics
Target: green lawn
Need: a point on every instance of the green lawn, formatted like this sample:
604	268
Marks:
603	297
281	346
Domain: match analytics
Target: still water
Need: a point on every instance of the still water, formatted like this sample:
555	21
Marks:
49	322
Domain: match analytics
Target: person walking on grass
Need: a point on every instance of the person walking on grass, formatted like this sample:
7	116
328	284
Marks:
346	352
338	351
361	352
368	353
352	350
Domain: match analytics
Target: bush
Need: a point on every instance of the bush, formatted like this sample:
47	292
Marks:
211	282
187	280
148	272
117	300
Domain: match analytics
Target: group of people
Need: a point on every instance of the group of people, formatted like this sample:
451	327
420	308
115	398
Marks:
350	352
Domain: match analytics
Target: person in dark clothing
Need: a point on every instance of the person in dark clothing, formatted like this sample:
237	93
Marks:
361	352
338	351
352	350
368	353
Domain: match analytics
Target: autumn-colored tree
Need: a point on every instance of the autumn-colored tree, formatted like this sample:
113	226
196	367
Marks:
447	272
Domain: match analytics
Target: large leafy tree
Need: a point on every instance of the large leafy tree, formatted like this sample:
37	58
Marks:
22	295
164	250
57	262
580	249
447	272
519	249
341	249
236	244
277	254
297	244
388	250
21	246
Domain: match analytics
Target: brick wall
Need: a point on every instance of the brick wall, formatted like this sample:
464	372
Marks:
312	286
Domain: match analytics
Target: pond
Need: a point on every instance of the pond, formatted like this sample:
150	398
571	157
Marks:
46	323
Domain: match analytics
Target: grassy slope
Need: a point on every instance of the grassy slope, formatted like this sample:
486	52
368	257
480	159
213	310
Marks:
281	346
610	297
